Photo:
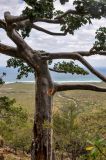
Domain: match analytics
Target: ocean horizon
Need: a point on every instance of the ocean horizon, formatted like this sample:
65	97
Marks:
54	81
11	76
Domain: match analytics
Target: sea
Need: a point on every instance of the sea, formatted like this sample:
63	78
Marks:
11	76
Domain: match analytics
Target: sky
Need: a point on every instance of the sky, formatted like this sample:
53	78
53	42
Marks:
82	40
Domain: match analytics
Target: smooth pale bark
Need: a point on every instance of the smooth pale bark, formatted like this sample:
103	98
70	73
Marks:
42	144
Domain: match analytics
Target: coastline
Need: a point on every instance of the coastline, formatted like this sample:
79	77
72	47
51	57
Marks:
90	81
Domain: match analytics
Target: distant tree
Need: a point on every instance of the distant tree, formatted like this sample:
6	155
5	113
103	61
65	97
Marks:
1	78
18	27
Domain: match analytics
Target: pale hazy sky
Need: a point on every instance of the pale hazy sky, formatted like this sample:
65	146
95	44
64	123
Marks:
82	39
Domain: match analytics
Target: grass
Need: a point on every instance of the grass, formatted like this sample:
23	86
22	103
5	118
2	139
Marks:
91	105
16	157
23	93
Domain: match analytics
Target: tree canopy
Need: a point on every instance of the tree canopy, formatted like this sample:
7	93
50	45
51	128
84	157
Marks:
44	11
27	59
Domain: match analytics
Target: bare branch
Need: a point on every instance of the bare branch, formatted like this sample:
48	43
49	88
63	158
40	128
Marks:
54	70
25	23
70	86
90	53
14	35
24	48
75	56
48	32
13	19
23	19
10	51
53	21
2	24
17	39
67	55
57	20
70	11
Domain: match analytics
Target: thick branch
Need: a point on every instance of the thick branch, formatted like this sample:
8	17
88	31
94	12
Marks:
61	55
13	19
22	18
27	51
13	34
10	51
76	56
48	32
70	86
17	39
2	24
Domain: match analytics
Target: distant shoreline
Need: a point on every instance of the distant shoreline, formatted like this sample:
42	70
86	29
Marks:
91	81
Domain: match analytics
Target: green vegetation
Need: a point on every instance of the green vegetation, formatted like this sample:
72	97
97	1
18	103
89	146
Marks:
80	133
79	121
24	95
15	127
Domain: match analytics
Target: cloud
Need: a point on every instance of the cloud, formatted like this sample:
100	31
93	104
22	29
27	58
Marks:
14	6
3	60
83	38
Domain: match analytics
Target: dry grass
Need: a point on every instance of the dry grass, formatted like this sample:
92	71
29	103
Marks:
91	106
24	93
88	102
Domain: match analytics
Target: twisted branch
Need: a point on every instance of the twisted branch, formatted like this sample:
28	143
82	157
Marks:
48	32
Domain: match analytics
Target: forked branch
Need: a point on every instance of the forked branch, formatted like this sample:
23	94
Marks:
24	49
23	21
13	19
76	56
21	18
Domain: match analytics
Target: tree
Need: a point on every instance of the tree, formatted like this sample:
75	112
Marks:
38	61
1	78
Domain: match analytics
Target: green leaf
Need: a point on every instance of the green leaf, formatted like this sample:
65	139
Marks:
23	68
69	67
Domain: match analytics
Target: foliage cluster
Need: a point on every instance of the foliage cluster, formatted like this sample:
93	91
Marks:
14	125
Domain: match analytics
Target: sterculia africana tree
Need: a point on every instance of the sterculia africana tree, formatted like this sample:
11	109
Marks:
30	60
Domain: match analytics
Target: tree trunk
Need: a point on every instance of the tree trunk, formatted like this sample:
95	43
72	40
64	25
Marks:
42	143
